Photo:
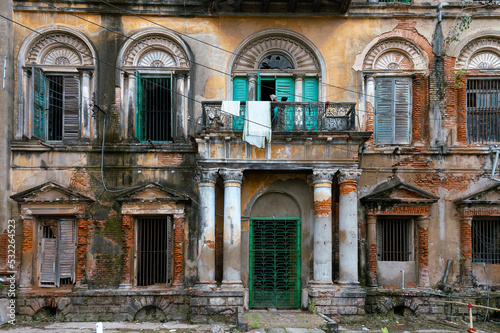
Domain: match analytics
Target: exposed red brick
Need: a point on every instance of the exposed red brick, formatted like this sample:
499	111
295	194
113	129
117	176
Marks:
347	186
323	208
82	248
423	249
80	181
415	161
401	210
4	243
27	235
466	238
178	255
372	262
434	182
128	237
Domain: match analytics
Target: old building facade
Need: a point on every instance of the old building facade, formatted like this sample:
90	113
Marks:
140	189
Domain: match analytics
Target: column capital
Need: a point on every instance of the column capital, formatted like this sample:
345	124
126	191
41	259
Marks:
349	174
298	76
371	219
423	221
206	175
252	77
323	175
232	175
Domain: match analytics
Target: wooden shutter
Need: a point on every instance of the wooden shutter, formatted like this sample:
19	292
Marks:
71	121
240	89
384	119
139	106
240	93
66	246
402	110
310	89
39	104
285	87
48	262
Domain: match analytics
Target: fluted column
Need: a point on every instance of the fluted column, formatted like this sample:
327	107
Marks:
206	243
178	114
252	88
232	228
348	226
423	250
372	249
323	225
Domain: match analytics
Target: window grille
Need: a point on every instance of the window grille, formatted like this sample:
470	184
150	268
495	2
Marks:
154	255
407	1
155	109
483	110
485	241
55	107
395	239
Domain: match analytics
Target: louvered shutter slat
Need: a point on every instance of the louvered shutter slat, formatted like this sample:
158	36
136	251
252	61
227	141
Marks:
240	93
402	110
48	262
384	118
66	248
285	87
71	108
170	262
39	104
310	90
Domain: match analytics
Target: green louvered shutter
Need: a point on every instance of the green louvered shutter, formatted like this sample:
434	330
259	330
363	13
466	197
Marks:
310	94
39	99
71	121
285	87
240	93
139	106
384	119
402	110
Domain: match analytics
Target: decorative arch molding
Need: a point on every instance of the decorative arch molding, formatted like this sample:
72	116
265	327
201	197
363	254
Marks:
57	45
480	53
395	53
271	198
297	48
155	48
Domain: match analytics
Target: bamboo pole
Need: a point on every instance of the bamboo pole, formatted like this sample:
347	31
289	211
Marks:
474	305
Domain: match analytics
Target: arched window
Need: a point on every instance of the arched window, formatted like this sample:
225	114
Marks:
480	61
155	86
57	67
389	66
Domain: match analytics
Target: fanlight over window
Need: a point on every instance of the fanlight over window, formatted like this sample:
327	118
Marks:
275	61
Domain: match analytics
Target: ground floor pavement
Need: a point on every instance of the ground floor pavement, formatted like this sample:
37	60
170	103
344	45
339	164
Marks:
267	321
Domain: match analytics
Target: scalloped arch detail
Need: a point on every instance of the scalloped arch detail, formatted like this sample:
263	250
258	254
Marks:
389	53
480	54
47	48
168	52
250	57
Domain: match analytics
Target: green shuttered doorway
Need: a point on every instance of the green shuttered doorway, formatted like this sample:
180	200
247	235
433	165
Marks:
275	262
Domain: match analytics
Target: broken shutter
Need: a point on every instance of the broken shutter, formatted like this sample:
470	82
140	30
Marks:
402	110
240	93
66	246
383	111
139	106
39	104
71	121
48	254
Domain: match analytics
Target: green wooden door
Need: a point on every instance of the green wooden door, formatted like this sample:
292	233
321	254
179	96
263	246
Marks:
275	262
240	93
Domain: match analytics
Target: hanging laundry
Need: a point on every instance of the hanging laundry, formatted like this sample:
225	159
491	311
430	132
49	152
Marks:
257	123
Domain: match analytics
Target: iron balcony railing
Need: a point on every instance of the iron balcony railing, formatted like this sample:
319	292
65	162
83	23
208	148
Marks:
286	117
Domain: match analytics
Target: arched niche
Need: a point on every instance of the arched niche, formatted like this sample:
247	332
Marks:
277	204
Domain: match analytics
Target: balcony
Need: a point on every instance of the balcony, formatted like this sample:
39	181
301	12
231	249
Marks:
288	117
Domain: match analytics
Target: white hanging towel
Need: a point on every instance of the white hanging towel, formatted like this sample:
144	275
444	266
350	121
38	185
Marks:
231	107
257	123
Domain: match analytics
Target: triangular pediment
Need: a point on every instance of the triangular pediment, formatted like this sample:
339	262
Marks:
152	192
396	191
50	192
487	195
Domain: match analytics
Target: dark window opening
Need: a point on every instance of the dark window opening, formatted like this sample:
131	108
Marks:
154	244
485	241
483	110
394	238
155	114
55	108
267	88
